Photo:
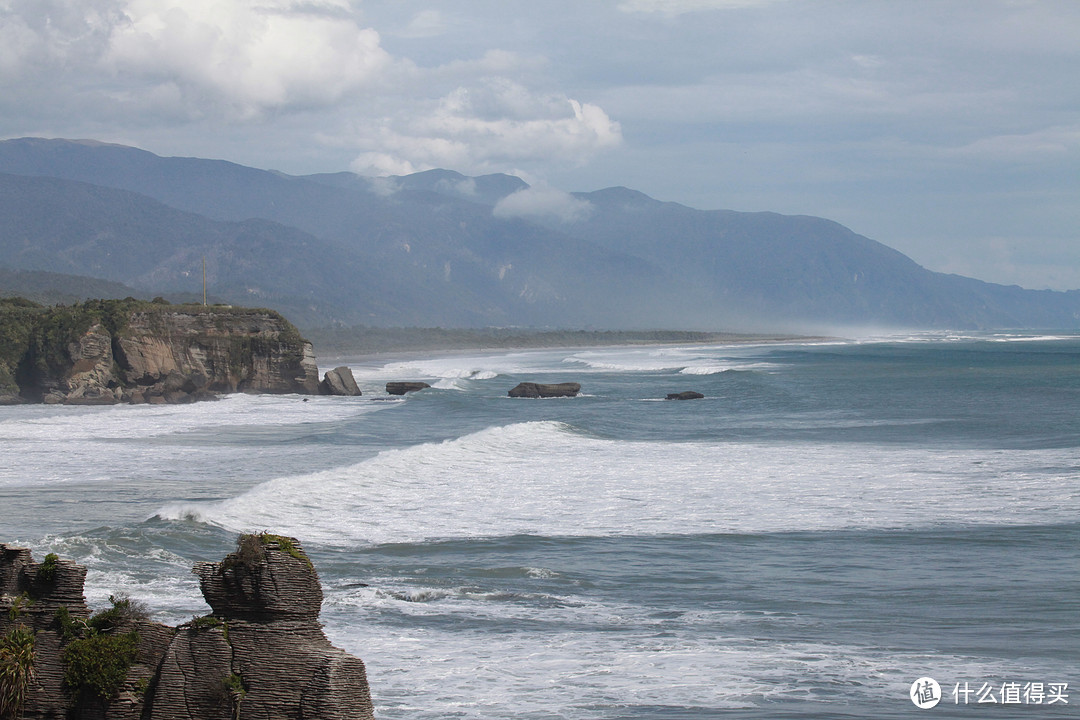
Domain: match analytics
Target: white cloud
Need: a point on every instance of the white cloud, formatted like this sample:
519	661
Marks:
380	163
209	58
251	55
542	201
383	186
486	127
36	36
16	42
1046	143
292	64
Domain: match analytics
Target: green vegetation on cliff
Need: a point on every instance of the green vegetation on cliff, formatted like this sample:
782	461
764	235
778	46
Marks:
97	658
17	318
16	670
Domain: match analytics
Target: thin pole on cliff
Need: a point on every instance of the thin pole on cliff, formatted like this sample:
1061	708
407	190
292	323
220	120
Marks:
204	281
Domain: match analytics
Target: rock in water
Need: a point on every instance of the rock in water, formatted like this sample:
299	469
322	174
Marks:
685	395
540	390
339	381
261	654
400	388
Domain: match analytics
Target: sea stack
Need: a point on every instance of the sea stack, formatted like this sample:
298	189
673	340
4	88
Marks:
339	381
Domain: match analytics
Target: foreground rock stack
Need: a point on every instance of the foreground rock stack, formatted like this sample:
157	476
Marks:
261	653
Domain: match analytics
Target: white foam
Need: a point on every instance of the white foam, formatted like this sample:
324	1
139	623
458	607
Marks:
688	360
712	369
117	422
545	478
160	579
424	672
473	366
946	336
58	445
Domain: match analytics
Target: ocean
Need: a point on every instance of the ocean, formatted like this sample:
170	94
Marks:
833	522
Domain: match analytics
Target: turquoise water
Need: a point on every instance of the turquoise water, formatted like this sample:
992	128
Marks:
832	522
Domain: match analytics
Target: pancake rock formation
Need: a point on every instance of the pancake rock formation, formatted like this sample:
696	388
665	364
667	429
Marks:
541	390
261	652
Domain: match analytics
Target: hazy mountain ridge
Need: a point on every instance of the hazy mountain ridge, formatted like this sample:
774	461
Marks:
427	249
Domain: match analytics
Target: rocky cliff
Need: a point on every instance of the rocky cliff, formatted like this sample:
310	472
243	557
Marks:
111	351
261	653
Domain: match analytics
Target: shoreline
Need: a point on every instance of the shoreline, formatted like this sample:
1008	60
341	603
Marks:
332	344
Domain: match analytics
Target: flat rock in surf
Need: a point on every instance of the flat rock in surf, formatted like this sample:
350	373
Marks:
685	395
400	388
542	390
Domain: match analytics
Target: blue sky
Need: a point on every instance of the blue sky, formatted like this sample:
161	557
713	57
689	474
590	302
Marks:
947	129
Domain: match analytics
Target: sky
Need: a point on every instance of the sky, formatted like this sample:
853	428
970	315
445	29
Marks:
947	129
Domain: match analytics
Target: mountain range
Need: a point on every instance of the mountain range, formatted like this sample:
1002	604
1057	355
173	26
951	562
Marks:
440	248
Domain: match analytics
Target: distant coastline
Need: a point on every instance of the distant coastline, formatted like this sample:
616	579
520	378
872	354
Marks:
364	341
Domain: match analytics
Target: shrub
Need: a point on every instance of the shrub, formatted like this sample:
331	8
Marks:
285	545
18	604
206	621
249	551
124	609
47	571
96	658
16	670
70	628
236	691
96	666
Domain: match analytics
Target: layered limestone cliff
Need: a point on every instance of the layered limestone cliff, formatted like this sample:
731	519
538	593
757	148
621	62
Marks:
104	352
261	653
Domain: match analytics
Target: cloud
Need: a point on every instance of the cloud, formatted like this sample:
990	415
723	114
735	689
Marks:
1038	145
253	56
487	126
215	58
36	36
542	201
313	70
383	186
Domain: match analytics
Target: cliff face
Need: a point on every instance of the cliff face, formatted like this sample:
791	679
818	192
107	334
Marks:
261	653
104	352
